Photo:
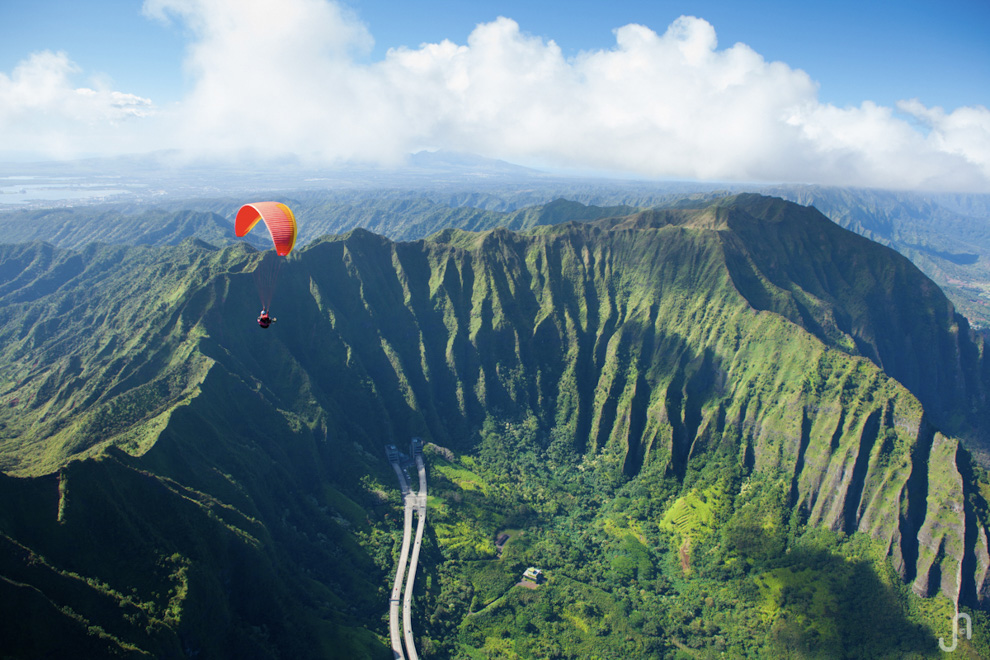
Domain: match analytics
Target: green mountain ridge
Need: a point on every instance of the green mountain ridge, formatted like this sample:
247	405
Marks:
165	458
404	217
947	236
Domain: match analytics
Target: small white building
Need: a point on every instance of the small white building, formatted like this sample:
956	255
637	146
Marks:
533	575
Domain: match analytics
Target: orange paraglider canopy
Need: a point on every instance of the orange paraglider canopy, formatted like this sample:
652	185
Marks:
278	218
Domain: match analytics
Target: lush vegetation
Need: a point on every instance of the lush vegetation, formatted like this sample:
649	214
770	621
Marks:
667	413
737	575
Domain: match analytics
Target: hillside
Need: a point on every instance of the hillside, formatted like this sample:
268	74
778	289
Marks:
690	392
946	236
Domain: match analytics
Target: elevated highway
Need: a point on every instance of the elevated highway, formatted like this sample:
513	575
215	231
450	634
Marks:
412	503
419	503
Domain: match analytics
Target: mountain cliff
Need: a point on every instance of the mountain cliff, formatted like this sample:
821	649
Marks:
165	458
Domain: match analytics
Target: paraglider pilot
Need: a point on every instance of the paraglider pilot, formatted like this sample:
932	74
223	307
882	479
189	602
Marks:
264	320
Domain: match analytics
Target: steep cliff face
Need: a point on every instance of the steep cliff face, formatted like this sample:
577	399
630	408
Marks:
633	336
863	299
753	328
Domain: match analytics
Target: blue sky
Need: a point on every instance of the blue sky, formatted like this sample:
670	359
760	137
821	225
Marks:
889	94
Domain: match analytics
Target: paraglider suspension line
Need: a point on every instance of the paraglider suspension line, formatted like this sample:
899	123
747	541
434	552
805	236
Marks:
266	277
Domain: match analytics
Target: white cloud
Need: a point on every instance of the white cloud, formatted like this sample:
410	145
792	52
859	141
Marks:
964	132
667	105
287	77
278	76
42	111
672	105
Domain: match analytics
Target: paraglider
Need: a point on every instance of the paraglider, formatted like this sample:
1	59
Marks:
279	219
281	224
264	320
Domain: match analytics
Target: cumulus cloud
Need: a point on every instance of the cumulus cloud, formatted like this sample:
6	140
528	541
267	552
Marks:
660	105
673	105
293	77
280	76
42	110
964	132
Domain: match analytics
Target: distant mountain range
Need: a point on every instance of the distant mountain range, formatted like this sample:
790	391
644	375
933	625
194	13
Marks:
179	482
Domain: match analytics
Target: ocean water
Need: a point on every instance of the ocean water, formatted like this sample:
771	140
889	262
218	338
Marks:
21	190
